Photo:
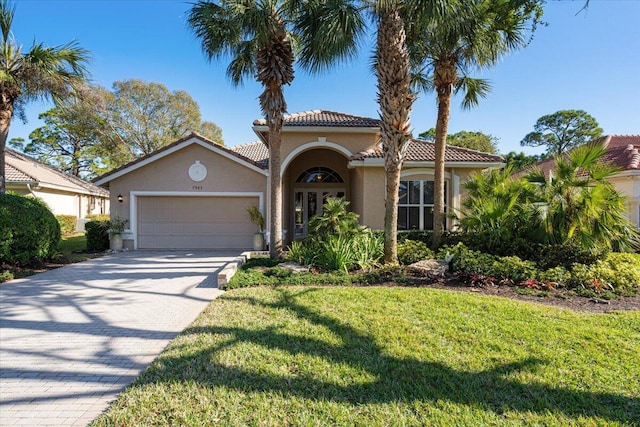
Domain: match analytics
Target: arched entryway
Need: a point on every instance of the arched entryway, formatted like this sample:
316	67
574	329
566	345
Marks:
311	190
311	178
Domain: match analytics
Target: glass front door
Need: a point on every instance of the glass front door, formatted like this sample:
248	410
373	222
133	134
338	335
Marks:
307	203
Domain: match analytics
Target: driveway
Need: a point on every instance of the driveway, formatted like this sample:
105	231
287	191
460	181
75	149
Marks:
71	339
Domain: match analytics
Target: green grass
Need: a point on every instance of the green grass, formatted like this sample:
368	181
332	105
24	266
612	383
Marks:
73	248
347	356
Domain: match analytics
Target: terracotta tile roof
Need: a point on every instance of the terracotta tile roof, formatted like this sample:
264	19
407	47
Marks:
22	168
255	151
424	151
324	118
14	175
623	151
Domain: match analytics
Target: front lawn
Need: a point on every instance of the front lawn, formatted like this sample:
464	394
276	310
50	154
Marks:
375	356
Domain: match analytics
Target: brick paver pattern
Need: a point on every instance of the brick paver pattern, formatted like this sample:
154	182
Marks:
71	339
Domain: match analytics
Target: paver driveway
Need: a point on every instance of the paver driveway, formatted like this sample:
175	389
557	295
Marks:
71	339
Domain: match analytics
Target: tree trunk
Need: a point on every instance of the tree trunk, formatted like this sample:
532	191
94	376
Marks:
6	113
396	100
275	69
275	238
444	77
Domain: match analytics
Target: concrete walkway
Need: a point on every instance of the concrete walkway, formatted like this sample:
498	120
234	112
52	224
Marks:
71	339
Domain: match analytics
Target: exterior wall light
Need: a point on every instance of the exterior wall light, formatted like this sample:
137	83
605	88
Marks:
120	198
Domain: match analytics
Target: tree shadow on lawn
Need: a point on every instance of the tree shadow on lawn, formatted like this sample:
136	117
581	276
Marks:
396	379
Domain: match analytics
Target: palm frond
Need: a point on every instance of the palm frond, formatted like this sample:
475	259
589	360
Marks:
474	89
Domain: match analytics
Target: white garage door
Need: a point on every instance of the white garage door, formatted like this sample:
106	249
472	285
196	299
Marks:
170	222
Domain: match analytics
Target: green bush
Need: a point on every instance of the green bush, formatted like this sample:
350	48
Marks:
564	255
410	251
67	223
558	275
6	276
98	217
513	268
467	260
29	232
97	233
337	242
618	272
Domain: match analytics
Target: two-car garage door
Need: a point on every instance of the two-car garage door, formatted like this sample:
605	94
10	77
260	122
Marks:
193	222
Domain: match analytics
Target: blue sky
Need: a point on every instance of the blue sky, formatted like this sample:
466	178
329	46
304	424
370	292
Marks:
588	61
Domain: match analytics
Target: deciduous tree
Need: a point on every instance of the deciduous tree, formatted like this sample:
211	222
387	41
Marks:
40	73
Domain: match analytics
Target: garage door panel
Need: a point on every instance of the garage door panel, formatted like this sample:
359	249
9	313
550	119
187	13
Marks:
194	222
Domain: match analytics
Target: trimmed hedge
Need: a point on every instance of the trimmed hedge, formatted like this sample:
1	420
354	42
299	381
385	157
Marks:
29	232
97	233
67	223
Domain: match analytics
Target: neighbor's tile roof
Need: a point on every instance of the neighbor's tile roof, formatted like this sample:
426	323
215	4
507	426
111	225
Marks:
623	151
255	151
324	118
425	151
15	175
24	169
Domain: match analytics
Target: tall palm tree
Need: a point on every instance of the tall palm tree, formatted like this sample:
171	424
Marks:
443	53
259	36
255	34
42	72
393	72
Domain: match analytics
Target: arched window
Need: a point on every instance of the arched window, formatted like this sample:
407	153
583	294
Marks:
319	175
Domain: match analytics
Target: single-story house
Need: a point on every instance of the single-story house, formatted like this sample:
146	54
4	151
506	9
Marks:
623	152
64	194
194	193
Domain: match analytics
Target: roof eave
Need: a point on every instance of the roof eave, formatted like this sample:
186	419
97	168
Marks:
378	162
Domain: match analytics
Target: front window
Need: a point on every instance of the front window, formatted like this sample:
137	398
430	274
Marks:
415	205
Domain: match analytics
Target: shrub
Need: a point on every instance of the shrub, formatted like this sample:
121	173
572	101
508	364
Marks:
618	272
98	217
558	275
6	276
368	249
67	223
410	251
29	232
513	268
97	233
467	260
564	255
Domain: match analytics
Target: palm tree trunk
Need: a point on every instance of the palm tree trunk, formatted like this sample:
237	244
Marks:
6	113
275	238
396	100
444	77
275	69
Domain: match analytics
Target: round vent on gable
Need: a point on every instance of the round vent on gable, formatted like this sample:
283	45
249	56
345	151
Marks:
197	171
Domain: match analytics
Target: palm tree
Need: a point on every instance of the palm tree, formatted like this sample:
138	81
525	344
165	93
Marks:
42	72
255	35
392	18
444	51
581	205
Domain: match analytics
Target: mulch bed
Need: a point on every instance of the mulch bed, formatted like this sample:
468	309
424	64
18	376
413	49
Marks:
557	298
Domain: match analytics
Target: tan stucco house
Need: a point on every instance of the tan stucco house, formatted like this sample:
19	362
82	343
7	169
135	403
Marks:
623	152
194	193
64	194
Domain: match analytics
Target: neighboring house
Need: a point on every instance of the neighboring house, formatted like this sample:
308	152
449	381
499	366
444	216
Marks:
194	193
64	194
623	152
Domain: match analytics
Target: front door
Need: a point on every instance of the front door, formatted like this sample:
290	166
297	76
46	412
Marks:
308	202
